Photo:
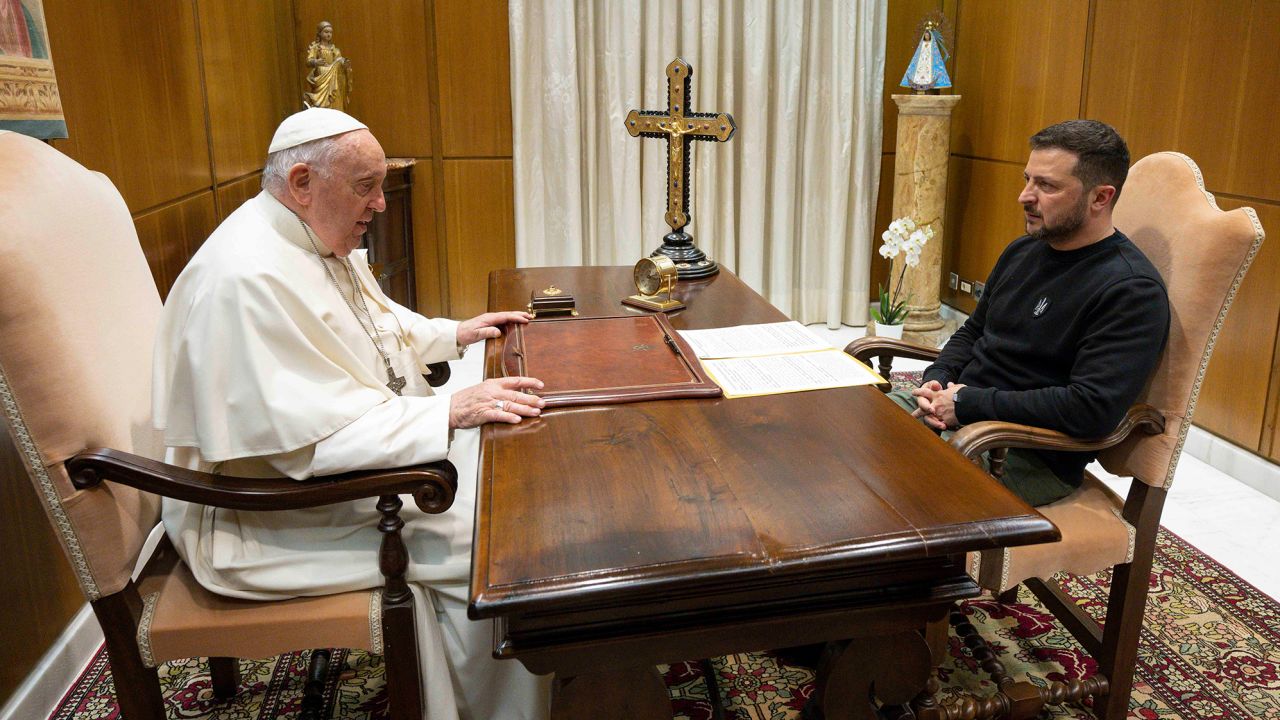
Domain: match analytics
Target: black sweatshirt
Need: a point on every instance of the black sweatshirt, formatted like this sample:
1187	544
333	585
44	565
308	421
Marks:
1060	340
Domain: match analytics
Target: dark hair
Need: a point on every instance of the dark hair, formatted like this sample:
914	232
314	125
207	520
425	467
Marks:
1102	158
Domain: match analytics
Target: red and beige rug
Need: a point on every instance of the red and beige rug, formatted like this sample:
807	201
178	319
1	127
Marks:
1210	649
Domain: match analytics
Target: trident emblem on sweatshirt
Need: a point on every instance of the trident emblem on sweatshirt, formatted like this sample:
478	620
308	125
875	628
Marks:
1040	307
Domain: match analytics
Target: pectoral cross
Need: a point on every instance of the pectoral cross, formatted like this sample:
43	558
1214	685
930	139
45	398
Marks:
395	382
679	126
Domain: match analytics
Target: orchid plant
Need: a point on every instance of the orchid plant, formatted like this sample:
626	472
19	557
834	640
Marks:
903	236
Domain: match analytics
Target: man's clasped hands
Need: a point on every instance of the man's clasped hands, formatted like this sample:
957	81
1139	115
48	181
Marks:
937	405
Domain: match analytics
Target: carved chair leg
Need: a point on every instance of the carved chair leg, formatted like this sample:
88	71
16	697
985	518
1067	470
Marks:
313	692
400	637
1125	608
996	460
1127	603
137	686
224	673
713	691
1120	639
885	364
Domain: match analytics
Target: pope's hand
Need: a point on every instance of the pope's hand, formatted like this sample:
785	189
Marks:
483	327
497	400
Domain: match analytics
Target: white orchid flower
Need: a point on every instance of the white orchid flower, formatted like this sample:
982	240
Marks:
903	236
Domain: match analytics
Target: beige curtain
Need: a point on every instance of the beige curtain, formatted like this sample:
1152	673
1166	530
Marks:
788	204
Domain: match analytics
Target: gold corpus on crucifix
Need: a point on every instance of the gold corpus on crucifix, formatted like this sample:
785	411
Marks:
679	126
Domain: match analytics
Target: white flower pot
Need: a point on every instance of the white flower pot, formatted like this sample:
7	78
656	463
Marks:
889	331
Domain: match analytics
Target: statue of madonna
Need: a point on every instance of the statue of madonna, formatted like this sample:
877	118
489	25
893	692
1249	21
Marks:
330	76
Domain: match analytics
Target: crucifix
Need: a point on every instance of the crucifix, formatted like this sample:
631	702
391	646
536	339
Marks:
679	127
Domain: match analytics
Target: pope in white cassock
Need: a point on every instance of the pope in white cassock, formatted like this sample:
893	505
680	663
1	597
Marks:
278	355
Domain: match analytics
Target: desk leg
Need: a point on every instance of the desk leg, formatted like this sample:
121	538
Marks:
633	693
853	673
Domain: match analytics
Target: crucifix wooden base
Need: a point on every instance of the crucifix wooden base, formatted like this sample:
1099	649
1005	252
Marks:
691	262
679	127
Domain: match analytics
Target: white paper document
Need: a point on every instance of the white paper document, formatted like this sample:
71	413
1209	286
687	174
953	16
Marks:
753	340
830	368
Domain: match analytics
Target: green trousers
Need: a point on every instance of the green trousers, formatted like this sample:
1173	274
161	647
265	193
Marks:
1024	472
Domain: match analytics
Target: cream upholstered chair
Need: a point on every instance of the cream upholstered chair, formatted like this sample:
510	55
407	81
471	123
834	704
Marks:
78	314
1202	253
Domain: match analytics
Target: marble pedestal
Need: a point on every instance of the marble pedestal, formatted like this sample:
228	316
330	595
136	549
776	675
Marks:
920	192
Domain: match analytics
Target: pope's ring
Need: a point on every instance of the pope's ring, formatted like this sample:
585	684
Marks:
501	405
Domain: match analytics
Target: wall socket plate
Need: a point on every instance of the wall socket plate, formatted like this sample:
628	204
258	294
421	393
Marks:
966	287
953	281
978	289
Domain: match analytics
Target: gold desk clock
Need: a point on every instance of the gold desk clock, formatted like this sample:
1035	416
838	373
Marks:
655	278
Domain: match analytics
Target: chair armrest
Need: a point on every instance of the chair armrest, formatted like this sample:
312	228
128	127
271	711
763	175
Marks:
865	348
973	440
439	373
432	485
886	349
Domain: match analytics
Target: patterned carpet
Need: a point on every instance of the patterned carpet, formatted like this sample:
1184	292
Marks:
1210	649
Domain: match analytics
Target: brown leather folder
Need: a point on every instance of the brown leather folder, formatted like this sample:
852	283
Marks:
605	360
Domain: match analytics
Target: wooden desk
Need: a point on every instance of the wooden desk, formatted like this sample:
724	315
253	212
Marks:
609	539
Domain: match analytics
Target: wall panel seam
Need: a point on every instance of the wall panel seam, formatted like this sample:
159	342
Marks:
227	183
1270	412
176	201
1087	65
437	161
1245	198
204	97
983	158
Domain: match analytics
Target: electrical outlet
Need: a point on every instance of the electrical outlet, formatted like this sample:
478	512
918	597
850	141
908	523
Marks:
978	289
966	287
953	280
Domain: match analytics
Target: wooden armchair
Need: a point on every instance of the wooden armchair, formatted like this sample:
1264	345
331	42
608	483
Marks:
1202	253
78	314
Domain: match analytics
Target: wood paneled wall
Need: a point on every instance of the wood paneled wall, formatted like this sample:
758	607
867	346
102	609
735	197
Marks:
1196	76
433	82
176	103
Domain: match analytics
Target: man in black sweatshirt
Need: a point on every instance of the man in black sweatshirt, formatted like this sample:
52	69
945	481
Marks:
1072	323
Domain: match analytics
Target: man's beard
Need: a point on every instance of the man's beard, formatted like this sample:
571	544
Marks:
1064	228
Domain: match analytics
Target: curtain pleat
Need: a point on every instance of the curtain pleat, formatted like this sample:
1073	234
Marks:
788	204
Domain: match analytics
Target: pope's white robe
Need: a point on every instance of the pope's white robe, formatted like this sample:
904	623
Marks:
262	370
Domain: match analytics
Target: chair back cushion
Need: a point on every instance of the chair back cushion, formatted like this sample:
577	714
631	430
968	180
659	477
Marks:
78	313
1202	253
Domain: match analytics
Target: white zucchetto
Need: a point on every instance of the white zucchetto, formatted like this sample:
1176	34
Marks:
312	124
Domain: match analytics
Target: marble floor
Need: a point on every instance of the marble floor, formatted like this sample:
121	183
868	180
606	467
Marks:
1230	521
